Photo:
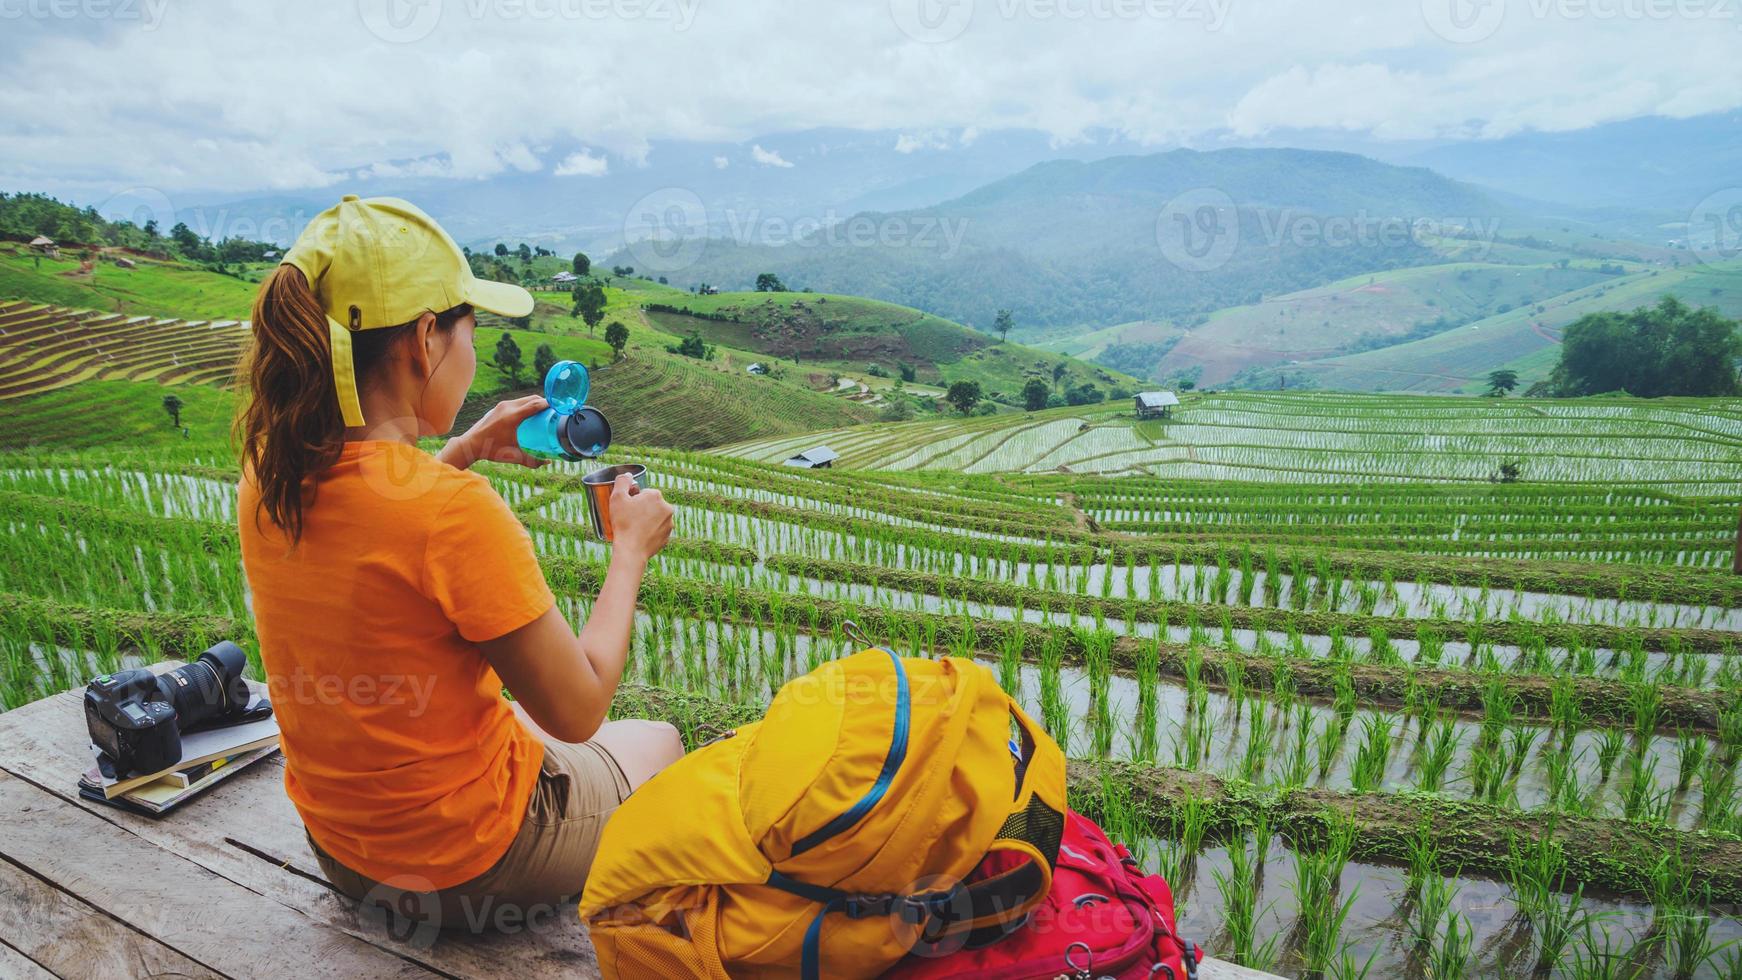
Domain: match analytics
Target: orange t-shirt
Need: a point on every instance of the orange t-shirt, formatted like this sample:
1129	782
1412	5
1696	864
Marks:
400	752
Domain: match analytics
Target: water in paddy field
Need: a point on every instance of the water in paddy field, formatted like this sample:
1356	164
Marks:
1384	916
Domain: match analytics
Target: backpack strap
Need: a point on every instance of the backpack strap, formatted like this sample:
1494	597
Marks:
996	903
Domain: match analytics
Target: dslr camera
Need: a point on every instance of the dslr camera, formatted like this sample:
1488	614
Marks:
137	717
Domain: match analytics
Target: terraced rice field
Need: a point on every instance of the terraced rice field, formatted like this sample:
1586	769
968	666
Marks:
1681	446
1423	728
47	347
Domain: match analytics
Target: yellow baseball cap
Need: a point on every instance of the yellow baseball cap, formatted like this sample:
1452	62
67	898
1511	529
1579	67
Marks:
382	262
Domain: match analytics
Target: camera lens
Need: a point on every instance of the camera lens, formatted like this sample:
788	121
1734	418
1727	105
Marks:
208	687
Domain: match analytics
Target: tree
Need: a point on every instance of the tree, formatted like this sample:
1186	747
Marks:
768	282
173	405
908	372
1084	394
151	228
184	238
693	346
589	304
1058	371
582	265
543	359
1669	349
617	335
963	396
1502	381
501	249
525	252
1034	394
1002	323
507	358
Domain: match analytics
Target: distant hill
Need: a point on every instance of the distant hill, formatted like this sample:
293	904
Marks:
850	333
1344	317
1648	163
1526	338
1069	244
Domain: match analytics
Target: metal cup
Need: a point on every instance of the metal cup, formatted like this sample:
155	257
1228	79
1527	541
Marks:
598	486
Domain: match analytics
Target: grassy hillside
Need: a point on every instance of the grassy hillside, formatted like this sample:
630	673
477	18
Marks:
851	335
165	289
1344	317
95	359
1525	338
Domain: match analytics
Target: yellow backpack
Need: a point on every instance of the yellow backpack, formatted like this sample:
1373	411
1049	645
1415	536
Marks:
836	834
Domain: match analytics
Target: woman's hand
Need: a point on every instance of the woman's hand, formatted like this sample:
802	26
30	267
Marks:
640	521
492	437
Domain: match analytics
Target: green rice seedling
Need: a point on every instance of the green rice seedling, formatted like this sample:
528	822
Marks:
1010	661
1523	737
1646	701
1098	659
1054	710
1298	764
1433	903
1610	742
1148	684
1563	707
1717	792
1687	931
1330	742
1604	956
1346	967
1448	960
1234	679
1431	647
1239	892
1282	685
1690	754
1368	771
1380	650
1320	932
1192	740
1191	821
1257	742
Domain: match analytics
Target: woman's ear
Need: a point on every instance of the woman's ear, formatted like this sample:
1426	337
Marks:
425	355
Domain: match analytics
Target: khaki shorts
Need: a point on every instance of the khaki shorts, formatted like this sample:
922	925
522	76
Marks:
579	787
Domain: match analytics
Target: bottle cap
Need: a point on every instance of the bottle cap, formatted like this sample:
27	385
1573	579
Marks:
565	386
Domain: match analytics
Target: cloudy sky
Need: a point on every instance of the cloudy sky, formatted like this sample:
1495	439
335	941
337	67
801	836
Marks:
233	96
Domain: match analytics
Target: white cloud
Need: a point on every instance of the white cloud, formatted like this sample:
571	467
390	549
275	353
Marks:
195	100
929	140
721	163
583	164
768	158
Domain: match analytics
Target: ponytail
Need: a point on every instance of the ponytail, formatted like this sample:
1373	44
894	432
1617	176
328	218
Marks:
289	427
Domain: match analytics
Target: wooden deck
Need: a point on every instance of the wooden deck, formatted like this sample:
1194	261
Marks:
224	887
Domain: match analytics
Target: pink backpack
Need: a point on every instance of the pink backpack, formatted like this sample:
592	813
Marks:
1103	918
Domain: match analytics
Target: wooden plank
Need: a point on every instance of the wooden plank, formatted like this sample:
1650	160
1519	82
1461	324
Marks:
246	830
16	966
59	934
204	916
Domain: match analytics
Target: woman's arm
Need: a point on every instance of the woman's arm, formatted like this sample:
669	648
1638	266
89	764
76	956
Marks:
566	682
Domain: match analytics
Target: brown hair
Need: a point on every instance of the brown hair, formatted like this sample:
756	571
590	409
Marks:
289	428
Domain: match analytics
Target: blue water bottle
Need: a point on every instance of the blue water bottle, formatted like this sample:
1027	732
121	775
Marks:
569	429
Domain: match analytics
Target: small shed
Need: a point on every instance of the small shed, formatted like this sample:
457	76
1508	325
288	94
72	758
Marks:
757	368
1155	404
564	276
46	245
817	458
125	263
